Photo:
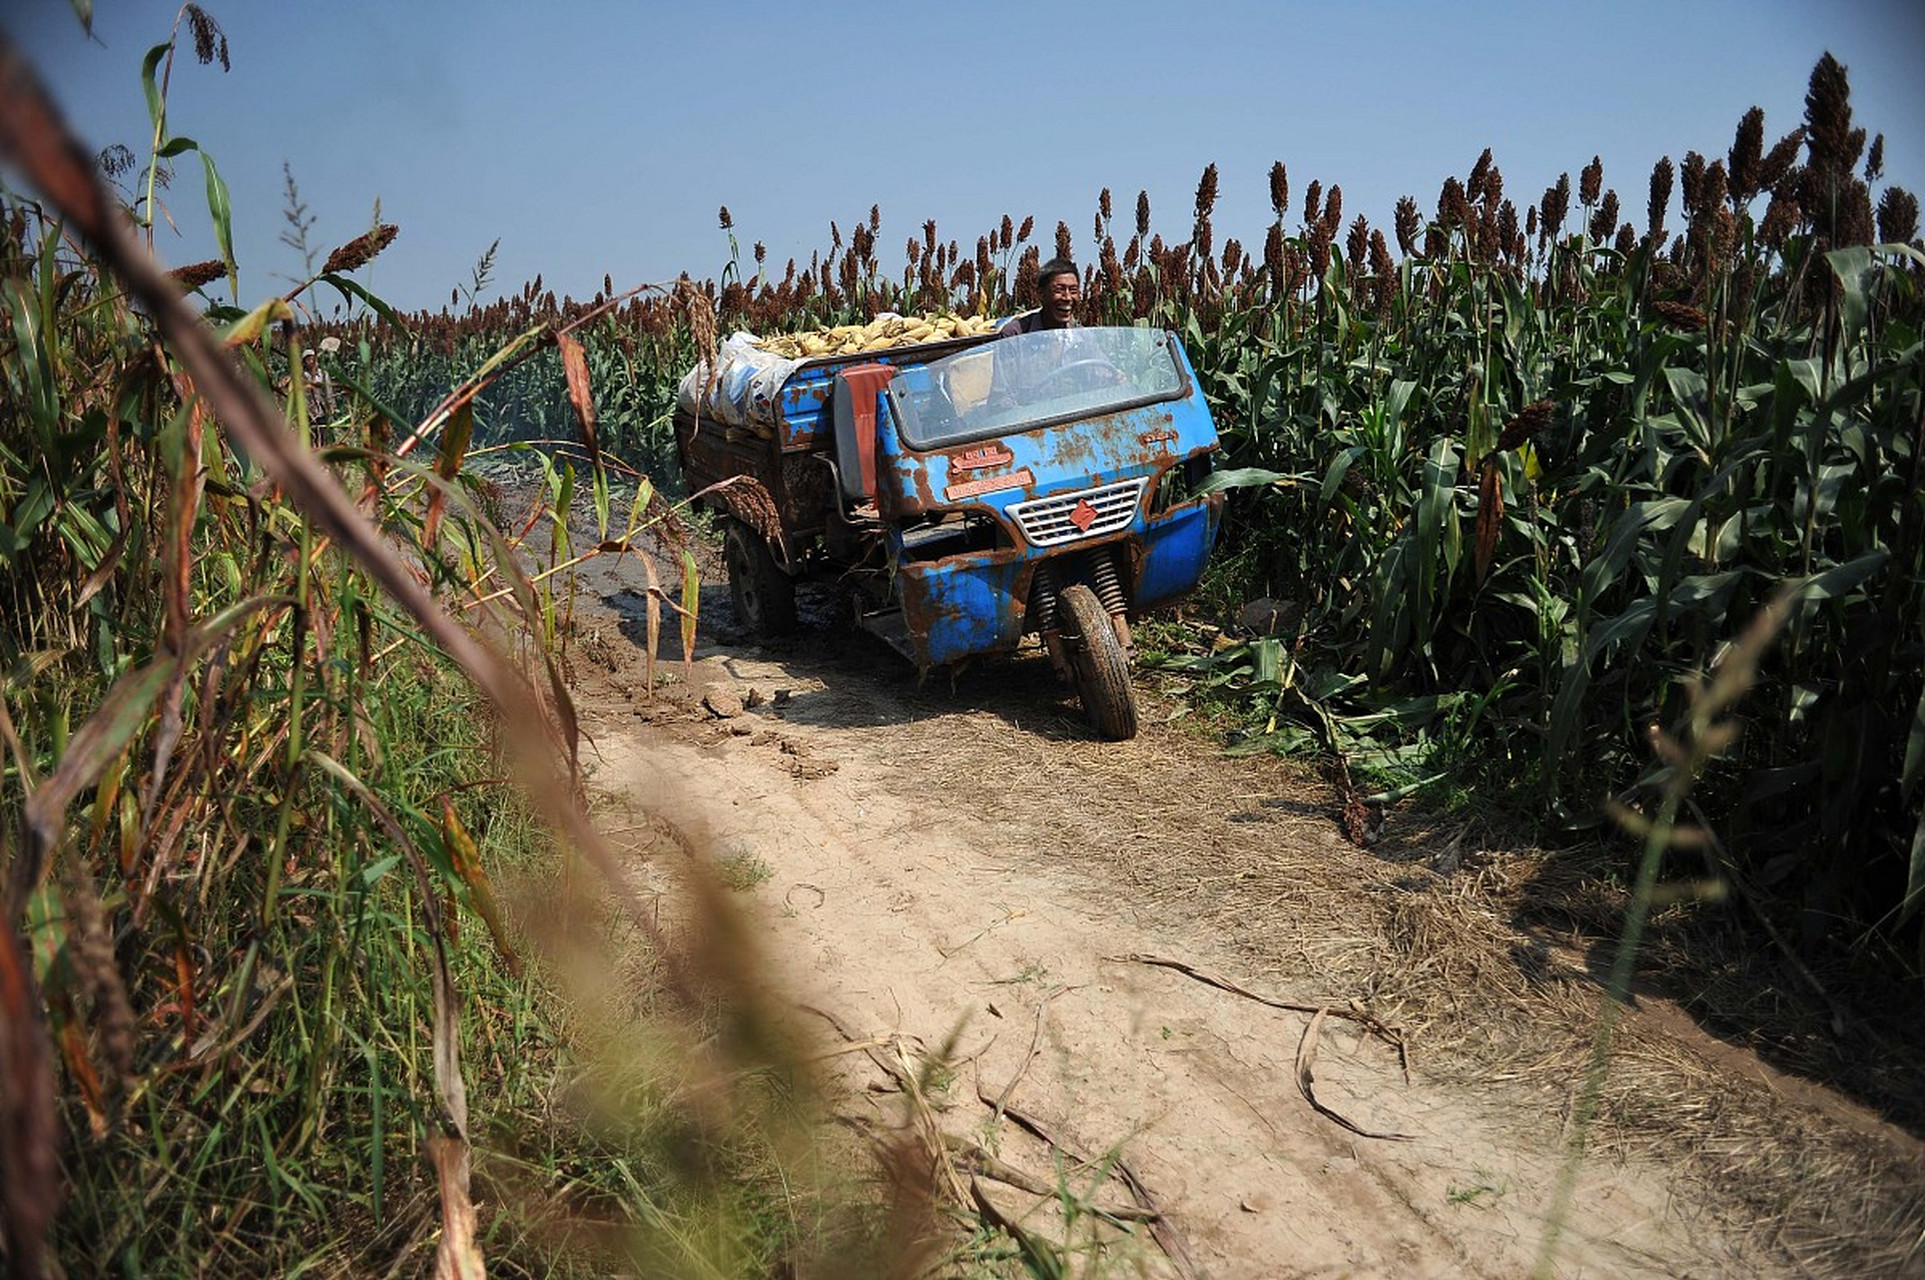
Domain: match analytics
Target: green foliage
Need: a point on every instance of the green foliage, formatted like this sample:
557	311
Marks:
410	368
1689	427
260	914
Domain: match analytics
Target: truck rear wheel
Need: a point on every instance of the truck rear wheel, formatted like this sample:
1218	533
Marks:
763	595
1099	663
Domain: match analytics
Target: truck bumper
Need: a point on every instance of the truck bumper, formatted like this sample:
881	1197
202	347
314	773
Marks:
978	603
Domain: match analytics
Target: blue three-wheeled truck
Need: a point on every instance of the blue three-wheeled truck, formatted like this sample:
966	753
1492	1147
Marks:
973	492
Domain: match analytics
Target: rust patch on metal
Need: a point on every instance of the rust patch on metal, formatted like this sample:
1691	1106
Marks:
1163	435
911	494
989	484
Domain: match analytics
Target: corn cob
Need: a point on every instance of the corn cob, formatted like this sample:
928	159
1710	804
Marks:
880	334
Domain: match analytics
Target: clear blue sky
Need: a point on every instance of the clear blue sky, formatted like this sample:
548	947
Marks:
602	137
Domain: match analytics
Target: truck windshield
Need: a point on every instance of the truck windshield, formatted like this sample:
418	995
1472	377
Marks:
1023	381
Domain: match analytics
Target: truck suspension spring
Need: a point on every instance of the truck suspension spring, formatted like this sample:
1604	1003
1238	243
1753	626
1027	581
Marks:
1107	583
1042	598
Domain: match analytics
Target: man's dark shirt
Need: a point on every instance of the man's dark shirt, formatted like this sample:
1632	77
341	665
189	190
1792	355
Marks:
1029	322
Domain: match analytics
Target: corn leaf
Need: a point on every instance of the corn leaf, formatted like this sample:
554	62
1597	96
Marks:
691	603
156	105
248	328
574	365
221	210
466	860
1246	478
652	603
354	292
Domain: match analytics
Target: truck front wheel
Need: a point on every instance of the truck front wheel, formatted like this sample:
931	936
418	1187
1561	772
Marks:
763	595
1099	663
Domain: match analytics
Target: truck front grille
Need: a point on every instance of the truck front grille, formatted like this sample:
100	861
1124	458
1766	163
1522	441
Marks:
1052	521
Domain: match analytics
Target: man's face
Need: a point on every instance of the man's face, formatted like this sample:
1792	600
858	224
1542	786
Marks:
1060	301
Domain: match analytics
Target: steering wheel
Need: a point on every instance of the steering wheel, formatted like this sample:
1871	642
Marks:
1109	373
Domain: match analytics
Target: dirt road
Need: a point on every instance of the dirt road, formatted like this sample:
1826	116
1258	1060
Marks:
957	873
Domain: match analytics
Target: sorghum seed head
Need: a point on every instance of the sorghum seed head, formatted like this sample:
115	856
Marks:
360	251
1661	178
1409	223
1681	315
1525	424
196	274
1897	216
1691	177
1380	259
1206	193
1590	182
1333	210
1716	183
210	45
1858	224
1479	172
1828	118
1273	256
1779	160
1747	154
1605	221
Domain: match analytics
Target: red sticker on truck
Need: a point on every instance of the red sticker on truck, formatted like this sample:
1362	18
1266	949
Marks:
982	458
989	484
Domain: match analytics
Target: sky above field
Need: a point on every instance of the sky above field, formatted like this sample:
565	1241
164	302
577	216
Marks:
601	138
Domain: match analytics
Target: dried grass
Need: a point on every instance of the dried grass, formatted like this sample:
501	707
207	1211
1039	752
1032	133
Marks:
1487	968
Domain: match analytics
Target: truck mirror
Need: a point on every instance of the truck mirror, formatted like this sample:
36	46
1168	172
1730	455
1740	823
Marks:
853	398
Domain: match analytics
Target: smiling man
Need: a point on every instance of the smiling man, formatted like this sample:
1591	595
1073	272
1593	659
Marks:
1059	284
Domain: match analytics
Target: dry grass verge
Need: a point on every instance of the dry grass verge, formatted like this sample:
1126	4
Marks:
1488	959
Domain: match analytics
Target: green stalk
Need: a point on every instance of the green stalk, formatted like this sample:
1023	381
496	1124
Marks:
297	669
